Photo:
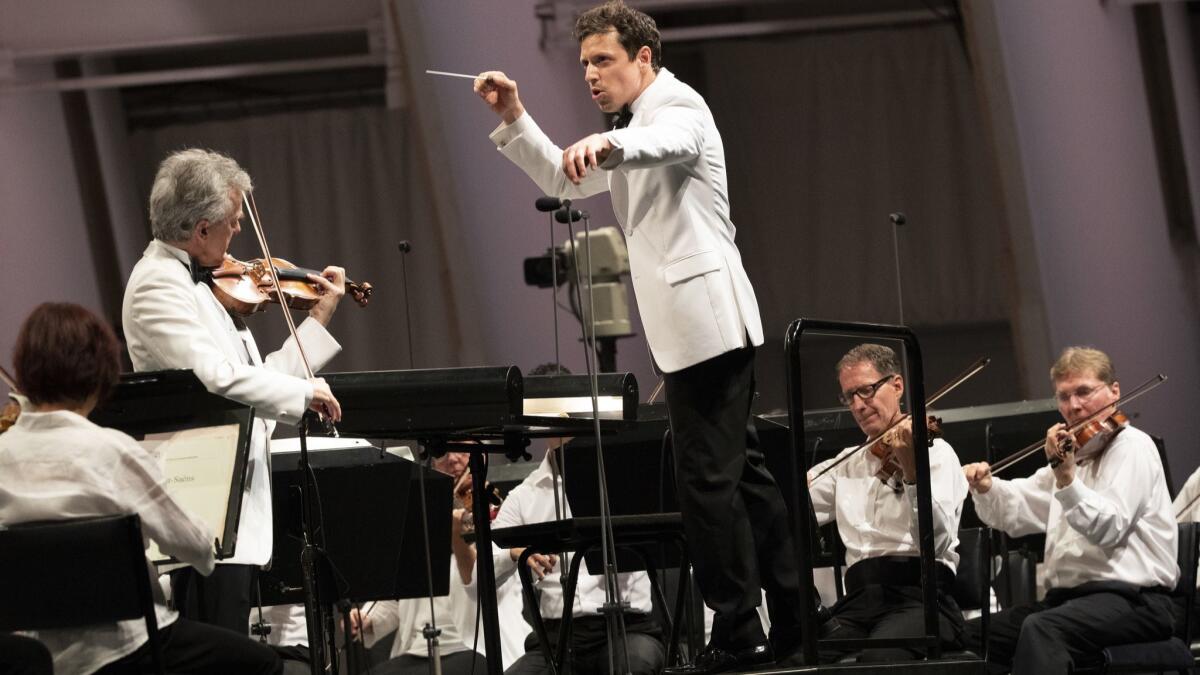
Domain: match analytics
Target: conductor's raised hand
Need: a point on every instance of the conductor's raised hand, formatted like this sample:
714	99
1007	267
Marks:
500	93
585	155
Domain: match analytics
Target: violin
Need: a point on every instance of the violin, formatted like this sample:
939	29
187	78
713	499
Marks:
1092	437
464	496
873	442
890	472
9	415
246	287
1089	436
12	409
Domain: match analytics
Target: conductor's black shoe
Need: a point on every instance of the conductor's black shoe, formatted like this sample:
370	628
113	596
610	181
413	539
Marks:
717	660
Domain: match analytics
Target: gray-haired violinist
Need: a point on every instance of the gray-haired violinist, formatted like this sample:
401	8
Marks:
871	493
1110	558
172	320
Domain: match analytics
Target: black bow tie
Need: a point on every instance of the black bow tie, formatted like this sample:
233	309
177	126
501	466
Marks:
622	119
200	274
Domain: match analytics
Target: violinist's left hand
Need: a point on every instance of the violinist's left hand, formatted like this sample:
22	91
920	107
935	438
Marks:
900	441
332	284
1057	446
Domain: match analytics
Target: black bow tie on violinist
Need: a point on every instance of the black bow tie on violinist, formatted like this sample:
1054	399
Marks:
201	274
622	119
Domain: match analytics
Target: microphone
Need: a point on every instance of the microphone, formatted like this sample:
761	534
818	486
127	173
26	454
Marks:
897	218
561	216
545	204
405	247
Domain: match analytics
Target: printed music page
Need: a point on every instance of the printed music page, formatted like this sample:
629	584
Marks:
198	465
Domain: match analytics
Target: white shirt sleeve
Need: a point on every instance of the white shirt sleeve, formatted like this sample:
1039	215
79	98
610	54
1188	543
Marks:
164	520
1105	516
1018	507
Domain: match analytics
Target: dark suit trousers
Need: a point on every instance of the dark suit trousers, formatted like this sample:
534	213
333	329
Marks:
734	516
220	599
1051	636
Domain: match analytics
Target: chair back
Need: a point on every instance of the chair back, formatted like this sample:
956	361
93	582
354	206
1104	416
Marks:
972	580
64	574
1189	559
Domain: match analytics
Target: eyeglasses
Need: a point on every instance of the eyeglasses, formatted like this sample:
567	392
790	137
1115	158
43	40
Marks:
866	393
1081	393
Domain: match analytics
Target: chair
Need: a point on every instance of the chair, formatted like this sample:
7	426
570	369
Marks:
71	573
972	582
1164	655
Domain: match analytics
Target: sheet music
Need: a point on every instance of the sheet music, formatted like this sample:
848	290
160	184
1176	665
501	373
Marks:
198	465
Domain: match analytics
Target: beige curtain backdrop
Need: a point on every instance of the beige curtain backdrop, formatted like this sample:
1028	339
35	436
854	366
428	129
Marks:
825	135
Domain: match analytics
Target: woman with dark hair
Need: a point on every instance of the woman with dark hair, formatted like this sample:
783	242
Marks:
55	464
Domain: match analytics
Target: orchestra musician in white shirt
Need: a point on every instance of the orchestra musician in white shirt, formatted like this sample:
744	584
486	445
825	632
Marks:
56	464
1111	540
877	518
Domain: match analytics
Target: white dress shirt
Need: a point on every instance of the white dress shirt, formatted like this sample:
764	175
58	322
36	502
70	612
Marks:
1112	523
875	520
533	502
455	618
58	465
670	196
1187	502
171	321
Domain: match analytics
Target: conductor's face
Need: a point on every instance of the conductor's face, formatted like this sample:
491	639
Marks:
615	79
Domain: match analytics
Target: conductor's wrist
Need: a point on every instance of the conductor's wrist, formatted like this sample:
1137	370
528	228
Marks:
513	114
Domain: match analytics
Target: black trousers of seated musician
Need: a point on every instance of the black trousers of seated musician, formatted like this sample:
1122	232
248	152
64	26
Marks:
191	648
220	599
589	647
734	516
884	600
24	656
1072	626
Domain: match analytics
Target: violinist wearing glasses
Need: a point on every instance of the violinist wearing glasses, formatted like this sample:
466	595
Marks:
871	493
1110	556
173	320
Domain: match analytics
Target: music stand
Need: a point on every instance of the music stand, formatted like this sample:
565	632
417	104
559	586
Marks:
175	407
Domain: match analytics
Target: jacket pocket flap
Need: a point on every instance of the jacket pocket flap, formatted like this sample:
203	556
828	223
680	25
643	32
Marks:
691	266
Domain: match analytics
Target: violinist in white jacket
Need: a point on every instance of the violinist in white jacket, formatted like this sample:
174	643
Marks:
172	320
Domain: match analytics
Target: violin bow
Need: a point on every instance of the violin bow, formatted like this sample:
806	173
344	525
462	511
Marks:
950	386
256	222
1144	388
9	380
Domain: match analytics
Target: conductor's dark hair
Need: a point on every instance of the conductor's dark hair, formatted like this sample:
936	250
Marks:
64	354
635	29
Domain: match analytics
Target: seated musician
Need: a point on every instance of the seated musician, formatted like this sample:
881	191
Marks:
877	520
1187	510
454	613
533	501
1110	556
172	320
56	464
